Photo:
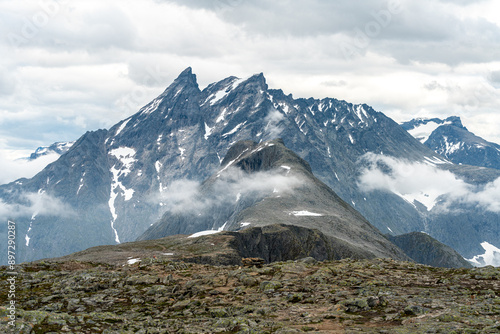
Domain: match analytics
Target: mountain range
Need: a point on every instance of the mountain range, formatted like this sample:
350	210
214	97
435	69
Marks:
449	138
112	185
58	148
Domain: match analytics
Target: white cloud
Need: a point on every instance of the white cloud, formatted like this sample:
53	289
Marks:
491	256
11	170
35	204
426	183
88	65
273	129
488	197
186	196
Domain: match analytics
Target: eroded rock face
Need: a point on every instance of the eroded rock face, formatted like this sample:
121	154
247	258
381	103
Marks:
158	295
287	242
424	249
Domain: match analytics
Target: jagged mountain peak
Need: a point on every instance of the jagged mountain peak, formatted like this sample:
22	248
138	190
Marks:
455	121
184	86
421	128
258	78
186	77
58	148
451	139
219	92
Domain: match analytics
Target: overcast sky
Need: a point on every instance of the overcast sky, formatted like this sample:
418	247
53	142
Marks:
69	66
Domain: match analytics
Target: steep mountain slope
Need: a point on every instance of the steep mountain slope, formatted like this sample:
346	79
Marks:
452	140
265	184
113	184
424	249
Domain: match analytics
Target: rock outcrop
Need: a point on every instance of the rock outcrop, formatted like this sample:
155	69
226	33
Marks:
422	248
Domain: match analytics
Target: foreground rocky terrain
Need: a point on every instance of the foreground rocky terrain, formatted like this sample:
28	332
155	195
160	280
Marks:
159	295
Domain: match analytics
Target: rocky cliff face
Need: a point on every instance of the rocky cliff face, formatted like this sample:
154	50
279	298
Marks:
424	249
113	184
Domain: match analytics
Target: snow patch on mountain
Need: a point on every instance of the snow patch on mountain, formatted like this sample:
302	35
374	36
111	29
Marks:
283	106
433	161
208	131
158	166
149	108
122	126
450	147
81	183
125	157
208	232
27	237
182	150
231	162
423	131
202	233
491	256
225	91
234	130
351	139
305	213
221	116
360	111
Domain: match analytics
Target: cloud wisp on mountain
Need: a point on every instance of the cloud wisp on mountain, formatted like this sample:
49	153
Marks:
191	197
426	183
36	204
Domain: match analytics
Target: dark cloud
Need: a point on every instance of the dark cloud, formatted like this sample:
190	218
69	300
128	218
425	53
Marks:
425	31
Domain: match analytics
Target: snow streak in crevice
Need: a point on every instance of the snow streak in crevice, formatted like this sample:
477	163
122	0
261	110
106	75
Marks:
125	157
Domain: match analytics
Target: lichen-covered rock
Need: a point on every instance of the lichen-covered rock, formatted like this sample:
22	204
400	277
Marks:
267	286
